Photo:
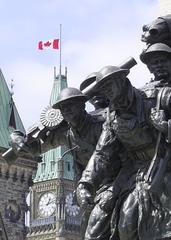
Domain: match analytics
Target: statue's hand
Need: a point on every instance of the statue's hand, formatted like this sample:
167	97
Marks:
17	142
84	197
157	118
107	201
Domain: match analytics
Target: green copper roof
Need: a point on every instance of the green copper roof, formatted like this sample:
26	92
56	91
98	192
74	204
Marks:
60	82
10	119
48	168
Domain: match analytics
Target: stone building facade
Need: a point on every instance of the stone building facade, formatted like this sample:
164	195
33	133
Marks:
15	181
15	176
164	7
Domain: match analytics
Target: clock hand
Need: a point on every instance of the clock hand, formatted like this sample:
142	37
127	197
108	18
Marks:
50	201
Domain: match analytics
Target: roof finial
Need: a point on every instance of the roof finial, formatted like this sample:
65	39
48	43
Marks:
66	72
54	72
12	87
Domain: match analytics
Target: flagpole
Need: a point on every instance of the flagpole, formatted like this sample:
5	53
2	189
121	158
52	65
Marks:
60	49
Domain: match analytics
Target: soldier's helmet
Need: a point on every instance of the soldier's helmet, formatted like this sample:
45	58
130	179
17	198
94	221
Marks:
97	99
157	47
91	78
110	73
68	94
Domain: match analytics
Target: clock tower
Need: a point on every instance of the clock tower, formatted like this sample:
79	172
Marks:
53	213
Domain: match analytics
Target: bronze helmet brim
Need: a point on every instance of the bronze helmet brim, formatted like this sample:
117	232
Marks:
110	77
79	97
87	82
155	48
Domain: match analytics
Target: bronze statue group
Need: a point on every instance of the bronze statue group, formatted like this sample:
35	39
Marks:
122	150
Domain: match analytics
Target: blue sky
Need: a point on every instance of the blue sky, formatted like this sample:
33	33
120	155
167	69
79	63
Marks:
95	33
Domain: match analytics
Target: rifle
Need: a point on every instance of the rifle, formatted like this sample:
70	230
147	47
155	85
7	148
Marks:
87	84
158	177
156	170
49	120
34	133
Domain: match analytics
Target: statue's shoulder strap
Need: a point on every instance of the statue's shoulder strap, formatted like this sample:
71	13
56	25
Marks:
159	96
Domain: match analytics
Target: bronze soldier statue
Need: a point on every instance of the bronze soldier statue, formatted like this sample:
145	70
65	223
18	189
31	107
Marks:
79	131
134	127
157	195
145	211
98	182
126	123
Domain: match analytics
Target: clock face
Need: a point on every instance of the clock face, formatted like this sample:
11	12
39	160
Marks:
71	208
47	204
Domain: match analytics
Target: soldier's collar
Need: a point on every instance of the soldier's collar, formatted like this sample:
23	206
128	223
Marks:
81	124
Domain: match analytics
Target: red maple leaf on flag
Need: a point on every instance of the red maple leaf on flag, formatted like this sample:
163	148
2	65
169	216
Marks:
47	44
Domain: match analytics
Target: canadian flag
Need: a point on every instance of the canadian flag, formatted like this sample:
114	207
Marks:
54	43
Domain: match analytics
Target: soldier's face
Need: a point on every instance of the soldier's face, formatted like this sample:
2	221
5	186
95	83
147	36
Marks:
71	110
160	65
106	89
99	101
112	89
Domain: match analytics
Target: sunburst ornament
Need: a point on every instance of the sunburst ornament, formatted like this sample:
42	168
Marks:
51	117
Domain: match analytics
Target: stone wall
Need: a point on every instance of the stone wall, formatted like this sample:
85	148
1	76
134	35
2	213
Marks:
164	7
15	181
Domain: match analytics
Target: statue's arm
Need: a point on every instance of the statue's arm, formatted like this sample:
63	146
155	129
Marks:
36	141
100	167
54	138
101	160
161	118
157	118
